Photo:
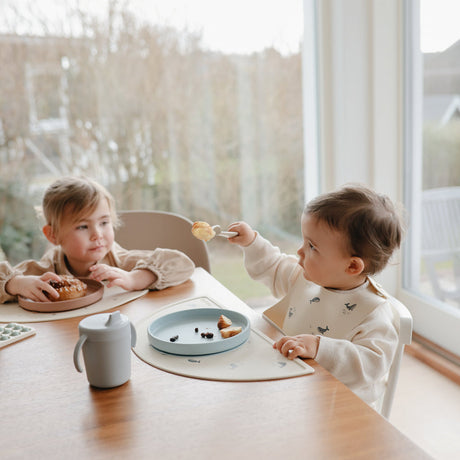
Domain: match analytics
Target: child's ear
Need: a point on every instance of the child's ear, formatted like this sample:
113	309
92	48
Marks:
356	266
48	232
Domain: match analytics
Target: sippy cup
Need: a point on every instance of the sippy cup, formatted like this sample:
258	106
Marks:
106	340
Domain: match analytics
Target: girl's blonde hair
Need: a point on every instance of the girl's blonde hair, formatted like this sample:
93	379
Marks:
77	195
370	222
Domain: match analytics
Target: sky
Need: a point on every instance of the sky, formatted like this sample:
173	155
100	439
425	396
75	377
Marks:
439	23
240	26
244	26
235	25
281	21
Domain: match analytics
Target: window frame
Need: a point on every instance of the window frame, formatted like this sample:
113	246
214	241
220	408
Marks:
365	128
310	102
433	319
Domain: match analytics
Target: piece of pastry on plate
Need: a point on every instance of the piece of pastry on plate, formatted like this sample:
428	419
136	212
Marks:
230	331
224	322
68	288
203	231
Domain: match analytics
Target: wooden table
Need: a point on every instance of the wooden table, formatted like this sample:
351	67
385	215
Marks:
50	412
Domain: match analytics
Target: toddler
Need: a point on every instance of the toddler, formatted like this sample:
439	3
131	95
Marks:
80	220
335	312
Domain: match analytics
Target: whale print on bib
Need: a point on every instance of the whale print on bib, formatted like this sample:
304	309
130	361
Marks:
315	310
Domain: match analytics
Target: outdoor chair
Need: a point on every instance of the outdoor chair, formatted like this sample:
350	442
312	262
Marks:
159	229
441	240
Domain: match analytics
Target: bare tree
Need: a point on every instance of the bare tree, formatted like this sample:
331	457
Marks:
161	122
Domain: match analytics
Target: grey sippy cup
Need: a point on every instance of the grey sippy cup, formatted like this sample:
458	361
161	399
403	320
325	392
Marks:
106	341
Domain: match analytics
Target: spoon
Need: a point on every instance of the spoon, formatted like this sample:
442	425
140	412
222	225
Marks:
218	231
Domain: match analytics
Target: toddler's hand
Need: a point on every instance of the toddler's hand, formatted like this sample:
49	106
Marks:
302	346
115	276
32	287
246	235
131	281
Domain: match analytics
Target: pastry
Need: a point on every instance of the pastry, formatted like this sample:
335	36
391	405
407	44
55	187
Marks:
68	288
203	231
224	322
230	331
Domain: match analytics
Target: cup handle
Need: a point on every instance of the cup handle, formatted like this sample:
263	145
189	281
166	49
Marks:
76	352
133	336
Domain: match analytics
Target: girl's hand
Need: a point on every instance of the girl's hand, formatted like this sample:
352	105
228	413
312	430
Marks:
246	235
134	280
32	287
301	346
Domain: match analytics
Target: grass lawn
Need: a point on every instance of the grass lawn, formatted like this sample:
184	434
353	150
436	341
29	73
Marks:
227	267
232	274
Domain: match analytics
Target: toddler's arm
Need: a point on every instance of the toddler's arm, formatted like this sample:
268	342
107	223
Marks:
246	235
33	276
32	287
367	354
167	267
134	280
265	262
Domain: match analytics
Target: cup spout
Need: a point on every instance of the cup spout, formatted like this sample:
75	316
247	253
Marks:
113	319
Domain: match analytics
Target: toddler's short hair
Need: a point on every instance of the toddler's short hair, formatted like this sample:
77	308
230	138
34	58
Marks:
79	195
369	221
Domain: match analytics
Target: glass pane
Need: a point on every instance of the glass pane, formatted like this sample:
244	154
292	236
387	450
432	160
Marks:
434	271
189	107
440	42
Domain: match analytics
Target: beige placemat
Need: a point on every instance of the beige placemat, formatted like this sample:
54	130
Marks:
253	360
112	298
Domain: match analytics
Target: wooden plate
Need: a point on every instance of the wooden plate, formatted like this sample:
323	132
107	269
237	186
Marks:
94	293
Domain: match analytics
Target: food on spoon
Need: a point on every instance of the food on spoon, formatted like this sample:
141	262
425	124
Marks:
203	231
224	322
68	288
230	331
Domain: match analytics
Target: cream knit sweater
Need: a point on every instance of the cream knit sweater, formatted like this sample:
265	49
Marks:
171	267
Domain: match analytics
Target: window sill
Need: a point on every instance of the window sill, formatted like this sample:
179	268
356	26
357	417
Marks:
443	361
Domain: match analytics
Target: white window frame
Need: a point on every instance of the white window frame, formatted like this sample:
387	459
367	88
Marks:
362	116
359	68
433	319
310	100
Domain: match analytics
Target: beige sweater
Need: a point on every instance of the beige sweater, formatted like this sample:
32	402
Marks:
171	267
358	331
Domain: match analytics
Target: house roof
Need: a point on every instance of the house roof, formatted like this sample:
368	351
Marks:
441	108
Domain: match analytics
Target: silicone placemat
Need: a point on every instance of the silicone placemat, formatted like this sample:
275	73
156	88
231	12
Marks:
254	360
113	297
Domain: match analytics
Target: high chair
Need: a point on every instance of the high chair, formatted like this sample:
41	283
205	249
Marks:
160	229
405	338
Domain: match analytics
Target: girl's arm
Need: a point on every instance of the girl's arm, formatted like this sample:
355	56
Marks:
27	268
32	287
167	267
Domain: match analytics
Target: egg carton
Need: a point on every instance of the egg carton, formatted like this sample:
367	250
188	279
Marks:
13	332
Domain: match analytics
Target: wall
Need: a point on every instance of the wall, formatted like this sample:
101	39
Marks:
360	85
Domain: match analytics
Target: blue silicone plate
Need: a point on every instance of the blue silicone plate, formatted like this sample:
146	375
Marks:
189	342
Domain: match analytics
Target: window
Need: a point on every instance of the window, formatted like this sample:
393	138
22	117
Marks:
148	98
432	268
